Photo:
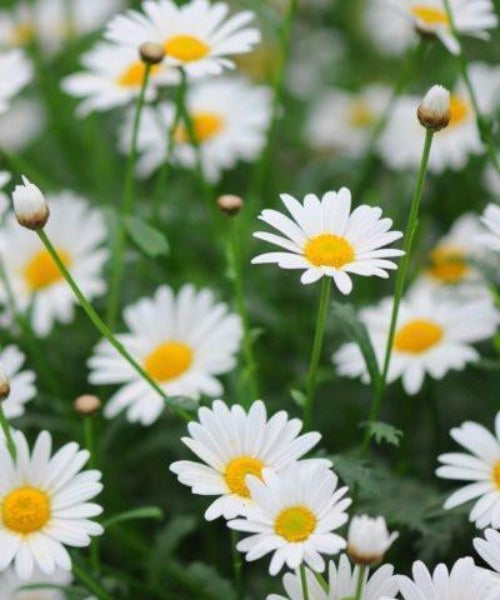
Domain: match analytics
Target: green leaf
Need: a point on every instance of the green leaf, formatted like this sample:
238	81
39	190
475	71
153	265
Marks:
357	472
383	432
145	512
148	239
298	397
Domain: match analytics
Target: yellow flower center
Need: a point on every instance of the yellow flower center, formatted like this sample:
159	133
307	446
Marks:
25	510
206	125
42	271
448	264
417	336
133	76
430	16
328	250
495	474
459	110
360	114
22	34
237	470
186	48
168	361
295	524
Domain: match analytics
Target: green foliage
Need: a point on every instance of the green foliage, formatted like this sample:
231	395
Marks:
383	432
148	239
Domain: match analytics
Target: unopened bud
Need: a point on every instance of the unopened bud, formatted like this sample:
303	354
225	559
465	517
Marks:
368	540
152	53
4	385
229	204
87	405
434	110
30	206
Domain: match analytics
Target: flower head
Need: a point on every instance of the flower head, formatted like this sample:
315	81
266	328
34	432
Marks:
15	72
434	112
368	539
20	383
489	549
30	206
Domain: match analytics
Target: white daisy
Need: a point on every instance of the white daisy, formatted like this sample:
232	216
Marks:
77	232
183	342
234	444
21	124
197	36
390	30
491	220
15	72
44	505
342	582
482	468
230	119
22	388
10	584
433	335
323	238
489	550
402	141
344	121
293	515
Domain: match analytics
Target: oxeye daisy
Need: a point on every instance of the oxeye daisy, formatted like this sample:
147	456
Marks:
77	232
342	582
15	72
491	221
198	36
293	516
390	30
21	124
230	119
489	549
182	341
433	335
324	239
233	444
22	388
10	583
44	505
482	468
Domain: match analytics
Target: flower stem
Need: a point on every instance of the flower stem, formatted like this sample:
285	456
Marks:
118	248
303	581
237	566
4	425
361	582
326	286
411	228
89	582
103	329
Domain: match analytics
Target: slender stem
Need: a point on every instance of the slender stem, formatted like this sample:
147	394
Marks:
303	581
4	425
89	440
103	329
361	582
326	286
90	583
118	248
237	566
411	228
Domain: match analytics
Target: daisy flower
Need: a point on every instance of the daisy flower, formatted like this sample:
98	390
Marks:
390	30
491	220
77	232
344	121
44	505
402	141
489	549
324	239
10	584
230	120
482	467
342	582
15	72
234	444
293	516
183	342
433	335
464	581
21	124
22	388
197	36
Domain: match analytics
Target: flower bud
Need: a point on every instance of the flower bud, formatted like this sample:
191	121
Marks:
434	110
152	53
30	205
229	204
368	540
4	385
87	405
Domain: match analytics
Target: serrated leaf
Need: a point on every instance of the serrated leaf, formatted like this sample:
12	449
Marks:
148	239
145	512
383	432
356	472
298	397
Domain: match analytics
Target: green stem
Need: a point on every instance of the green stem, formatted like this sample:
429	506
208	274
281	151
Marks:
119	244
303	581
90	583
4	425
411	228
237	566
361	582
326	286
101	327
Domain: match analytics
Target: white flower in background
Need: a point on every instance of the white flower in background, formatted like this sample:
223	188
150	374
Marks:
22	388
344	122
489	549
342	582
182	341
10	583
390	30
464	581
433	335
481	467
21	124
324	239
5	177
45	505
15	72
197	36
491	220
402	141
293	516
77	233
233	444
230	119
113	77
491	180
368	539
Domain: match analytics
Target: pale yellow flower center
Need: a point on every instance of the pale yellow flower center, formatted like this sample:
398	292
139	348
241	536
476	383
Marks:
361	114
237	470
328	250
206	125
417	336
186	48
168	361
25	510
42	271
133	76
430	16
22	34
295	524
495	474
448	264
460	110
